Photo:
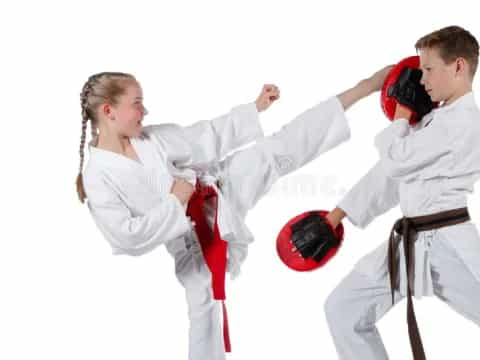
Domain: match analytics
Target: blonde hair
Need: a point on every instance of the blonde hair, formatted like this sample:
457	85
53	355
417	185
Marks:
99	88
452	42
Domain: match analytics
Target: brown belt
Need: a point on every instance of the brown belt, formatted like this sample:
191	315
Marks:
407	228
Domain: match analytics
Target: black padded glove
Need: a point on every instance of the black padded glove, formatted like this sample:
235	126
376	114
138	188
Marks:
313	237
408	91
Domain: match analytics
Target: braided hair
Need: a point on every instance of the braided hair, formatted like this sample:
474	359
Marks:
99	88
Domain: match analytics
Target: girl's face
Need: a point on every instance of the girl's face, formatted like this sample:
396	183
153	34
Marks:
129	111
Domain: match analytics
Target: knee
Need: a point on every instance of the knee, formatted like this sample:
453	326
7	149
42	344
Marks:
331	307
335	309
200	303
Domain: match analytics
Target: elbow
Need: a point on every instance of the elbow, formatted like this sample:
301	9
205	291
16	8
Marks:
393	170
143	234
398	173
126	245
390	170
133	243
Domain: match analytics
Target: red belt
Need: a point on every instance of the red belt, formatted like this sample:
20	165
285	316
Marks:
214	248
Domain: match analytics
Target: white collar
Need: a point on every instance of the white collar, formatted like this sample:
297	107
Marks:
110	157
465	101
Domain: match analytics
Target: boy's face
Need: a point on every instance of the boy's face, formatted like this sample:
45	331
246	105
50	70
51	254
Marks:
438	78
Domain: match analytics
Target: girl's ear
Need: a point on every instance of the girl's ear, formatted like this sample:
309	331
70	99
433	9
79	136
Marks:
106	110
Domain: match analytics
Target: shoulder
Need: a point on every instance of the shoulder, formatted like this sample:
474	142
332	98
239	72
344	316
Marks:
465	120
96	184
93	178
91	174
461	126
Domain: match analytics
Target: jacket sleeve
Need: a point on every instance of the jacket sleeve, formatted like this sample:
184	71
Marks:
420	154
135	235
208	141
374	194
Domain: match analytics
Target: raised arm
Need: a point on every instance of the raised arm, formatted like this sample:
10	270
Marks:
208	141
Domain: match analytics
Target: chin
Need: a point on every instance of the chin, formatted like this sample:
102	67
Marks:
434	98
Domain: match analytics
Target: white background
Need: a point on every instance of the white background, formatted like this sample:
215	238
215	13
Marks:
64	296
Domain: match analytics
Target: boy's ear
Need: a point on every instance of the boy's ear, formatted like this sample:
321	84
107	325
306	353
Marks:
460	65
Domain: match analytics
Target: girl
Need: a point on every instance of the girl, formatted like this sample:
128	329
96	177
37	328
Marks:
173	185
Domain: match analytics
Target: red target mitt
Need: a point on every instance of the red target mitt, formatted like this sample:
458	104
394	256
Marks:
308	241
402	85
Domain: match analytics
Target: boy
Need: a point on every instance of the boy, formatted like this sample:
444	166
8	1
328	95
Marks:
429	169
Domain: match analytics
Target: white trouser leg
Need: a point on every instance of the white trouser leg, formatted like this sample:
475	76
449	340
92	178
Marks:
455	265
352	310
205	333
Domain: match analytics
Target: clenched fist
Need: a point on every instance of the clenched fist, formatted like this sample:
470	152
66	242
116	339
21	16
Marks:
182	189
267	96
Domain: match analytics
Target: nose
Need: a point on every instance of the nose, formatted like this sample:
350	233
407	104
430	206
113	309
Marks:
422	79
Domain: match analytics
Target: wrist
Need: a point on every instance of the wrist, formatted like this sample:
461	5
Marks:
367	87
258	106
335	216
402	112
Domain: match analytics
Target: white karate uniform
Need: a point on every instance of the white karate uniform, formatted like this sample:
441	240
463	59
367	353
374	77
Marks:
427	169
132	205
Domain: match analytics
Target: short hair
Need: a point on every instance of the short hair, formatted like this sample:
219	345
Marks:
452	42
